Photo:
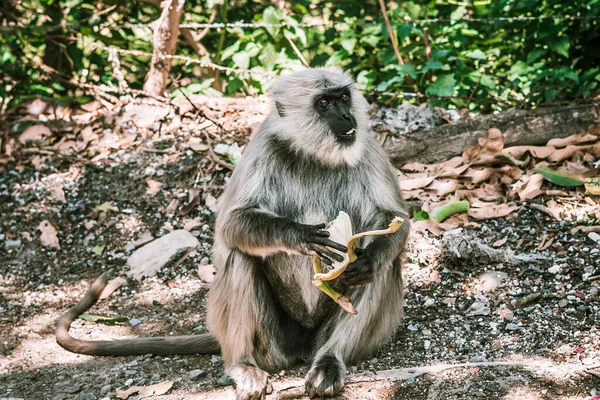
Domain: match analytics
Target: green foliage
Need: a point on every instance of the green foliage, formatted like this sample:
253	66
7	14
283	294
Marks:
476	61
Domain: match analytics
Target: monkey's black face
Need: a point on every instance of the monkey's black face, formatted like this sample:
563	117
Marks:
334	106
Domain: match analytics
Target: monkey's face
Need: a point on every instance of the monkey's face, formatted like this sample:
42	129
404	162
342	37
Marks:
334	106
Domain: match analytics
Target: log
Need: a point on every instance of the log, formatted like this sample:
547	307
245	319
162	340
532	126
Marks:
520	127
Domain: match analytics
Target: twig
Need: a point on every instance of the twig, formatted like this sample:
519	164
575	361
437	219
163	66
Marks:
390	31
298	53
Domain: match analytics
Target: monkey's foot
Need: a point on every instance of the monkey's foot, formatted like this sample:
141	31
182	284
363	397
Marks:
252	383
325	378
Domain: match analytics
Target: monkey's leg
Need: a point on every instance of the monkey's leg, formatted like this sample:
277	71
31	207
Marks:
345	338
254	332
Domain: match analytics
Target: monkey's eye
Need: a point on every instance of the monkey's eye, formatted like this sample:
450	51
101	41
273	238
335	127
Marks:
345	98
323	103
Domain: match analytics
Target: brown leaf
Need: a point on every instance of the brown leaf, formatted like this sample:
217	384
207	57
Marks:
196	145
145	391
57	193
49	234
579	138
211	202
430	225
478	175
153	187
500	242
443	187
418	183
492	211
586	229
34	132
189	224
111	286
536	151
532	187
486	148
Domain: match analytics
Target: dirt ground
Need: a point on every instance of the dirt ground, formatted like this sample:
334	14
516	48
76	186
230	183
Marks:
466	312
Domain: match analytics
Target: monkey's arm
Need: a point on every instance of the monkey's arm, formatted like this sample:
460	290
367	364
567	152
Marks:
259	232
381	251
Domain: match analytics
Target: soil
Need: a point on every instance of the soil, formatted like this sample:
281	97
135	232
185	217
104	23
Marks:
460	312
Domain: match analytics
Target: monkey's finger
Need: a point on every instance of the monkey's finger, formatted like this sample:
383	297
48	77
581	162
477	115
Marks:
331	254
359	251
325	259
318	226
330	243
322	233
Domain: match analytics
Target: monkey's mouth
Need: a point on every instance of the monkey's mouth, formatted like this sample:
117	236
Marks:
348	136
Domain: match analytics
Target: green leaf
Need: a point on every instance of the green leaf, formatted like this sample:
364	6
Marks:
476	54
366	78
241	60
420	215
535	54
560	46
98	250
433	65
443	86
268	57
231	50
383	86
444	212
348	41
102	319
560	178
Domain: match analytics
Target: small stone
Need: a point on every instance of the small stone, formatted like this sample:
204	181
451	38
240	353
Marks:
594	236
555	269
204	261
129	382
2	236
512	327
215	359
130	372
89	396
563	303
426	344
281	373
73	389
155	377
134	363
225	380
12	244
196	374
429	302
105	389
373	361
413	328
477	359
135	321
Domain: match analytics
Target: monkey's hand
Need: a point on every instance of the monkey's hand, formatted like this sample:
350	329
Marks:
314	242
361	271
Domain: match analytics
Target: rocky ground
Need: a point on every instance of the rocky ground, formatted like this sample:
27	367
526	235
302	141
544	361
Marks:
523	325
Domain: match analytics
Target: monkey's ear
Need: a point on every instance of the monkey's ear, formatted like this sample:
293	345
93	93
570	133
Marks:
280	109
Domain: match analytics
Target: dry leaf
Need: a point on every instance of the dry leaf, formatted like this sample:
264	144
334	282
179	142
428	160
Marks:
478	175
500	242
49	234
111	286
34	132
189	224
430	225
196	145
579	138
443	187
211	202
492	211
532	187
145	391
418	183
57	193
153	187
536	151
207	272
486	148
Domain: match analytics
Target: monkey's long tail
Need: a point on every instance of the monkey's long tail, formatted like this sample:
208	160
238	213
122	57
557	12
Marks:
192	344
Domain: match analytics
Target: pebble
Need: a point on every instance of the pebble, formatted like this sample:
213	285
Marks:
105	389
204	261
134	363
155	377
413	328
89	396
512	327
215	359
225	380
373	361
73	389
477	359
12	244
196	374
128	382
594	236
135	321
2	236
563	303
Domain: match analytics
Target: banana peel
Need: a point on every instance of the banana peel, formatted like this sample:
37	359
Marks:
340	231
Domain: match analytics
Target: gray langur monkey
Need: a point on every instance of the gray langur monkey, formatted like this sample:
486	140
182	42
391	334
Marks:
312	158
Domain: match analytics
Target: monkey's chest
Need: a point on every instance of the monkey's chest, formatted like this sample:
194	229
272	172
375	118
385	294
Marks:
290	278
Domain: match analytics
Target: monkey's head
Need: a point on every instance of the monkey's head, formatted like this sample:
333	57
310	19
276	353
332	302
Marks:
323	113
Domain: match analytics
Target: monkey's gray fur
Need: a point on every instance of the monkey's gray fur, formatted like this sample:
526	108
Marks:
305	165
262	307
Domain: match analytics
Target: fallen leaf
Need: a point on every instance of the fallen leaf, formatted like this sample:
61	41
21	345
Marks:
57	193
207	272
478	175
532	187
49	234
189	224
559	178
145	391
211	202
592	186
412	184
500	242
579	138
106	207
443	187
430	225
111	286
536	151
486	148
153	187
35	132
492	211
196	145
